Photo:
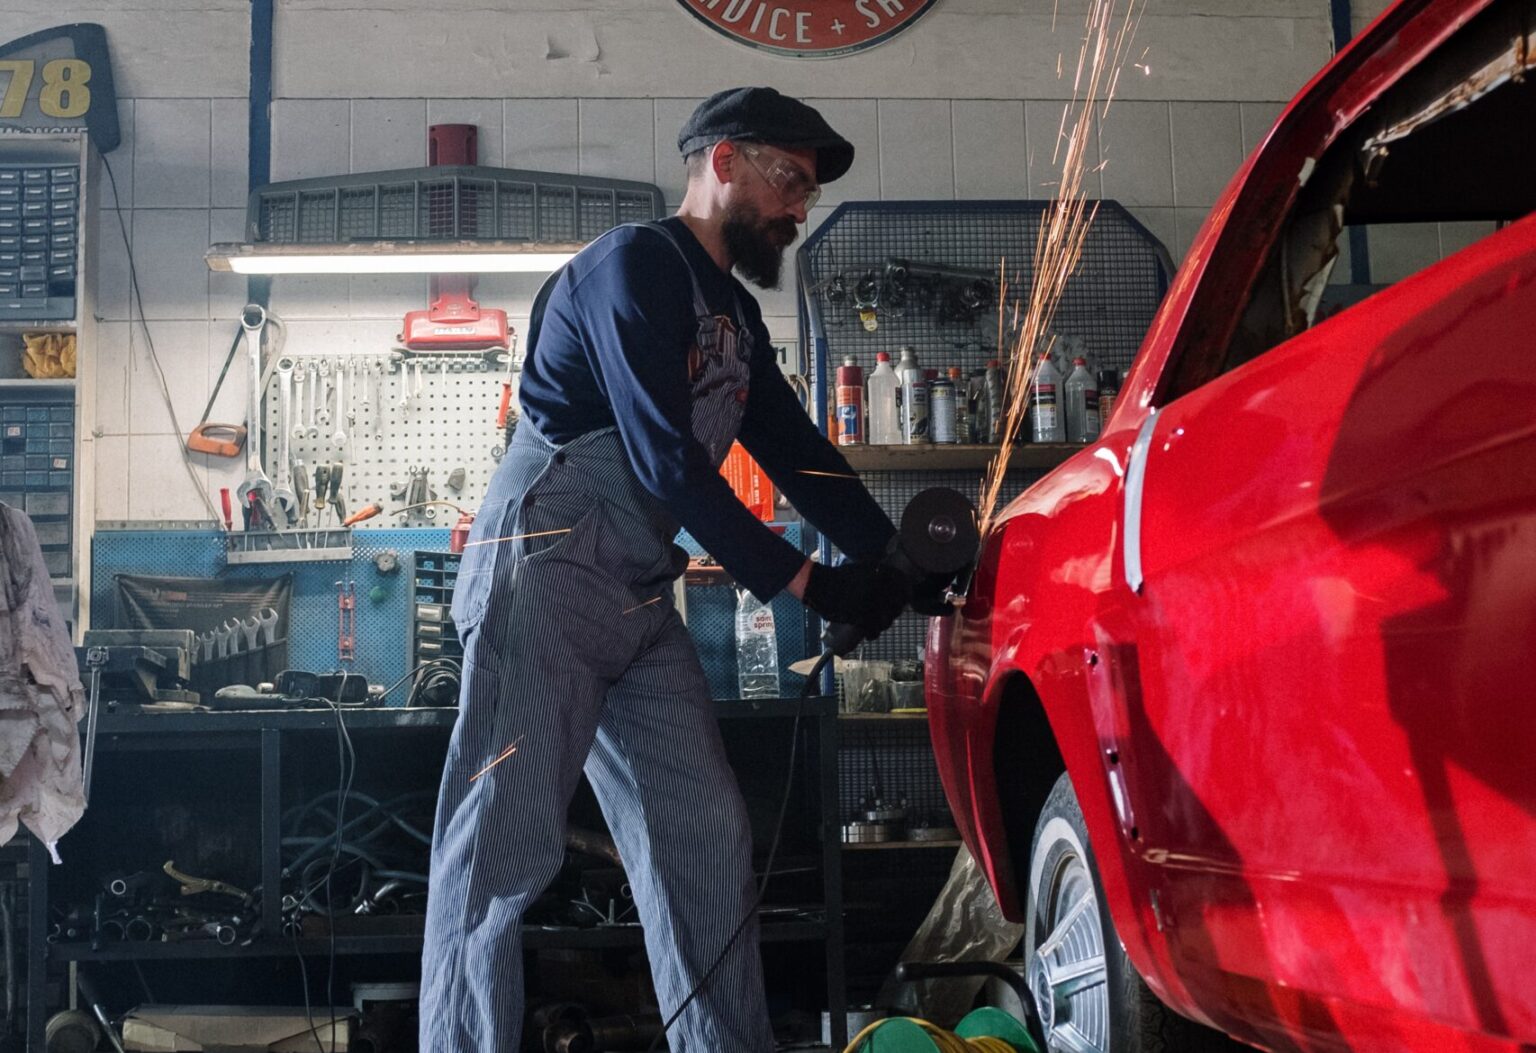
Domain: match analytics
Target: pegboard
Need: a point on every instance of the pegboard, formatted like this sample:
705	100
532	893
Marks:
1107	306
897	756
436	412
382	650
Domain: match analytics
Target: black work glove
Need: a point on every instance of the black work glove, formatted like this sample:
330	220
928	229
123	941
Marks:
929	595
868	596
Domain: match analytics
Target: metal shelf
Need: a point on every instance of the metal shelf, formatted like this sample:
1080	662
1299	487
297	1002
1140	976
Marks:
34	384
534	937
888	845
935	457
883	716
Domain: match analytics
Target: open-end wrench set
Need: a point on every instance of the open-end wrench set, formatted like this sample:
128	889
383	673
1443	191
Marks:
395	429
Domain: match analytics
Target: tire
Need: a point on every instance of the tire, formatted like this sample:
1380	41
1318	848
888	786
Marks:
1089	997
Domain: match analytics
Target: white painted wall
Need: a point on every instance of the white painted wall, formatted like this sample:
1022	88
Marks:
964	105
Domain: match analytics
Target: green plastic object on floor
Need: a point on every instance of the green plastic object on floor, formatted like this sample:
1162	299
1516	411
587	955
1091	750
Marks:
899	1035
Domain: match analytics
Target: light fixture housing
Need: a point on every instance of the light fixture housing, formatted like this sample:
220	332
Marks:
391	257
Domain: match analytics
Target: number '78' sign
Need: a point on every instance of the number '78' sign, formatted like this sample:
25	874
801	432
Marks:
59	79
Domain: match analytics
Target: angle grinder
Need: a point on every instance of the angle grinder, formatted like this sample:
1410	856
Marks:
938	538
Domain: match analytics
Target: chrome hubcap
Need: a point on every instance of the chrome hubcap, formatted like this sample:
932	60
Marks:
1067	974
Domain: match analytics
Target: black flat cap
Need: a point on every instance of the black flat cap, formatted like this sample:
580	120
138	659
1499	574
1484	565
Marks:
763	115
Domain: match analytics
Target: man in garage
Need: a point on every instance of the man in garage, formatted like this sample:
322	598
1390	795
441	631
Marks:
650	360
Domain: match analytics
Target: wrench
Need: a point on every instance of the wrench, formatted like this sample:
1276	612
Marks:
297	423
339	436
352	386
323	414
282	484
267	618
253	319
221	638
405	383
311	429
249	627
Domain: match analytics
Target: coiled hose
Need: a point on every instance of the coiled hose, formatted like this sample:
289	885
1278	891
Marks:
943	1041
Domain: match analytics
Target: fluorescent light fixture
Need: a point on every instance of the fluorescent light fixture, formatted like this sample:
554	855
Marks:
392	257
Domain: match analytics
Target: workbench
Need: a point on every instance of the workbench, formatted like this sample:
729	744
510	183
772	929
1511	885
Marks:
216	785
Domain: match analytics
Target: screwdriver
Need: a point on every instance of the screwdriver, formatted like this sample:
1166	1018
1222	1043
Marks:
366	512
229	520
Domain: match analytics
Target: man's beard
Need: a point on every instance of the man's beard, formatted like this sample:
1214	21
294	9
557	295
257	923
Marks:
757	247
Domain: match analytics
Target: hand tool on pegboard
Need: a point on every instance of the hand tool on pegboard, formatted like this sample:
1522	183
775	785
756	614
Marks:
286	500
256	491
334	498
219	440
346	621
454	321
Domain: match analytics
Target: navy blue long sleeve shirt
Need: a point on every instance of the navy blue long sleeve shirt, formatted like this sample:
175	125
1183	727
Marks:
613	351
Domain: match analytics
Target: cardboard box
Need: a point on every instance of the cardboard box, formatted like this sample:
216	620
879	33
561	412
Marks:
236	1029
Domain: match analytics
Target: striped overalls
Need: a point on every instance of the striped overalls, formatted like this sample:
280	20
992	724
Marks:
575	654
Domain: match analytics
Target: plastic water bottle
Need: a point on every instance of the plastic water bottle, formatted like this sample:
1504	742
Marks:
1082	403
757	648
884	408
1045	404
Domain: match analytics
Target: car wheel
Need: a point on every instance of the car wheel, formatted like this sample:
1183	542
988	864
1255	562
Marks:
1088	995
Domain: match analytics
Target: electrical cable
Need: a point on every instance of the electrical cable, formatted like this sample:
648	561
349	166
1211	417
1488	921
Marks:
149	343
811	681
943	1041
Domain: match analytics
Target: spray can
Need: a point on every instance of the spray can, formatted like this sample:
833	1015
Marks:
883	403
1109	393
850	404
942	410
1045	413
993	383
914	399
459	535
1081	403
962	406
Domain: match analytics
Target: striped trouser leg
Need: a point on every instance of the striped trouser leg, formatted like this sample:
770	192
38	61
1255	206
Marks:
659	770
534	675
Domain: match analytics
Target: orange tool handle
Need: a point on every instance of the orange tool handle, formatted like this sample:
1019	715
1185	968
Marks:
217	440
229	520
506	401
366	512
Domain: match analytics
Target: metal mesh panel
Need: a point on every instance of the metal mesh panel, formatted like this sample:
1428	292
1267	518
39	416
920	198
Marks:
597	207
885	252
277	219
317	216
397	211
896	756
450	202
634	208
359	212
516	213
557	213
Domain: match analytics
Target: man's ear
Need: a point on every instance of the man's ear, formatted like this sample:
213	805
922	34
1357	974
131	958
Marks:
724	159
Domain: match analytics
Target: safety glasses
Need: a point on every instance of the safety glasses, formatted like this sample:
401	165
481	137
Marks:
788	179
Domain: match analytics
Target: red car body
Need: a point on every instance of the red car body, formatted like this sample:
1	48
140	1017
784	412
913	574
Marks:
1291	678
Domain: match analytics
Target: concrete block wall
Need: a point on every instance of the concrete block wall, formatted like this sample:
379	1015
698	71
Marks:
964	105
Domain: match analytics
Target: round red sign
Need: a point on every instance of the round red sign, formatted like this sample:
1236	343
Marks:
809	28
